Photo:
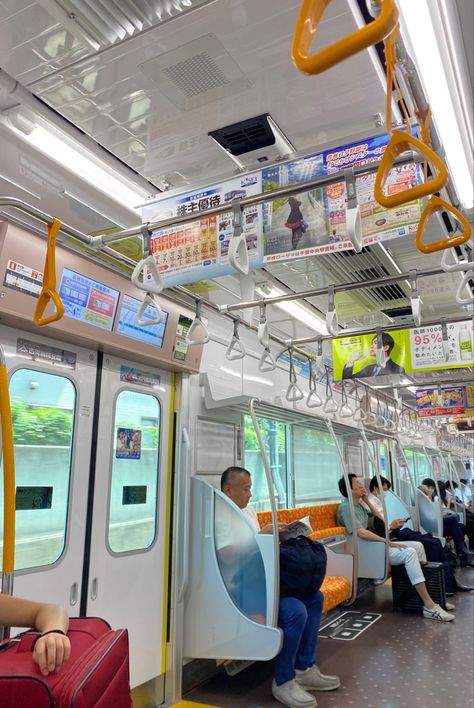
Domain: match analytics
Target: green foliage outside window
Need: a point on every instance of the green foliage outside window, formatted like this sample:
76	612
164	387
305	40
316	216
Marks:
40	426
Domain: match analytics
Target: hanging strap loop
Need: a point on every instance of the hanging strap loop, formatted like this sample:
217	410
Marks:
353	215
380	357
464	286
313	400
148	302
331	315
415	299
238	253
236	349
197	333
262	332
436	204
48	291
330	405
154	285
267	361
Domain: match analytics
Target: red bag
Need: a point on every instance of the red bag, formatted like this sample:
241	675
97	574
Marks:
96	675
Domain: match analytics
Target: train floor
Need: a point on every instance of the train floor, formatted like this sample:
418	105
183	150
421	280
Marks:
401	661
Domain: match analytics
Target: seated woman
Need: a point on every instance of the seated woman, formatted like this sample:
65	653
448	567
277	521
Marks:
52	648
451	525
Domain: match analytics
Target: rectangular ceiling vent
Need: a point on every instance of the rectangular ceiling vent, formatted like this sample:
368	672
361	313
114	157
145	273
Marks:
102	23
253	141
196	74
246	135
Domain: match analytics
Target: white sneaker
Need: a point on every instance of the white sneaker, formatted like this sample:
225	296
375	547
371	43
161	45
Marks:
313	680
437	613
292	695
449	606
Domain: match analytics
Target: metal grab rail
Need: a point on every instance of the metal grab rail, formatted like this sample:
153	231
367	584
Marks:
186	443
410	479
355	550
376	468
308	21
48	290
8	455
276	540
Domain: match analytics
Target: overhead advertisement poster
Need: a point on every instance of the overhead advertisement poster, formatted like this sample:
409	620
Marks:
314	222
448	401
410	351
297	226
183	251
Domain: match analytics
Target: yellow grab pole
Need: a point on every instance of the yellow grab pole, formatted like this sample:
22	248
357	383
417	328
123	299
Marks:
8	562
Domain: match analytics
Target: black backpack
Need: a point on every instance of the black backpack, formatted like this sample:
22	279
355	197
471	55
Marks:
302	566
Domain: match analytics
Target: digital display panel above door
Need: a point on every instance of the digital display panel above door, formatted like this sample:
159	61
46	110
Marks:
87	300
151	334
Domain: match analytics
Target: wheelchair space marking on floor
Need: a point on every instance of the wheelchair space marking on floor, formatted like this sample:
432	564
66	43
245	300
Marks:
348	625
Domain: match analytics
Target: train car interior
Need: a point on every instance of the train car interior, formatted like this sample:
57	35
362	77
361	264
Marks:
237	235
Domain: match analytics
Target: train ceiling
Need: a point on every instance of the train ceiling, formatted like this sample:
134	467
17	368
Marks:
148	80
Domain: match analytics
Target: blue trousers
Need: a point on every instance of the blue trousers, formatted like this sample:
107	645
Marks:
299	618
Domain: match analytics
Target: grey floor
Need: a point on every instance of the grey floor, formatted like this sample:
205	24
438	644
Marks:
401	661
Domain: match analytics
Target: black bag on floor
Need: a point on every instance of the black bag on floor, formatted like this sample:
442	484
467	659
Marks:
302	566
405	597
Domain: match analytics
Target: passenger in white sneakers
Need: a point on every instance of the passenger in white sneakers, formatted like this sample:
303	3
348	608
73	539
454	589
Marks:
299	618
398	553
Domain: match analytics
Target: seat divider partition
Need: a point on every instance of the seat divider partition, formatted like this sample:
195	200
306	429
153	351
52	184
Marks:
376	467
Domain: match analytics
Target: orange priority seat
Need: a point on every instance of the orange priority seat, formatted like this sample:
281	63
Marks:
322	519
335	591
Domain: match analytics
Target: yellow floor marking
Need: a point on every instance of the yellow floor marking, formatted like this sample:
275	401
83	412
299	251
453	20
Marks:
192	704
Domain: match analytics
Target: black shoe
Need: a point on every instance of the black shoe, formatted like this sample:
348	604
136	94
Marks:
462	588
467	562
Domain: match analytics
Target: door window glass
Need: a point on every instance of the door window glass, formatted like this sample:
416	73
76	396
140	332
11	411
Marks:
135	466
43	407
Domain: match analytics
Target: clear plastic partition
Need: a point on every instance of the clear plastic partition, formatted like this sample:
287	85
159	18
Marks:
240	561
397	509
431	519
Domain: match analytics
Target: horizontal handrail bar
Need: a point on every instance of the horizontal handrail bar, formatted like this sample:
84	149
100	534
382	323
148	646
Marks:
354	285
263	198
371	330
45	218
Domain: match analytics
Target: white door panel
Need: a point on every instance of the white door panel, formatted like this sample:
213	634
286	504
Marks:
49	472
127	565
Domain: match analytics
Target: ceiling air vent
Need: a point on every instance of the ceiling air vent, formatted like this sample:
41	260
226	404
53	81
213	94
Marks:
384	292
246	135
253	141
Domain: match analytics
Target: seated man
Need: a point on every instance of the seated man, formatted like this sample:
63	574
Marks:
451	525
52	649
299	618
398	553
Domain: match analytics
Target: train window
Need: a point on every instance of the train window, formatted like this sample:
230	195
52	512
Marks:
135	468
419	465
43	407
274	436
317	465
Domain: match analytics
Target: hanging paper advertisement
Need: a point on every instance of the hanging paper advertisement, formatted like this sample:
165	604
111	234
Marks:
314	222
447	401
411	351
184	250
301	225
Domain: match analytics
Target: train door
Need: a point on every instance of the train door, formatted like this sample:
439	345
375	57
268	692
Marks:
129	538
52	388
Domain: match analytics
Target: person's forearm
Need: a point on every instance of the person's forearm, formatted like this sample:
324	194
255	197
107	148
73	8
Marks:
51	617
368	535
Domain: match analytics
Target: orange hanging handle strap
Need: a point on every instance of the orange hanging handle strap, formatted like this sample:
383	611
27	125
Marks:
390	50
308	22
437	204
8	561
48	291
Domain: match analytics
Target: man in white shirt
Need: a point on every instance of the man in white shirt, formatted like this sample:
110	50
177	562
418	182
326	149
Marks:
295	671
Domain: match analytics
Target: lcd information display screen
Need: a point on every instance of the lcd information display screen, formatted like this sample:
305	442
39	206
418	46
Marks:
152	334
135	494
88	301
28	498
